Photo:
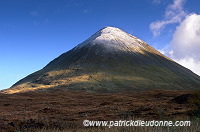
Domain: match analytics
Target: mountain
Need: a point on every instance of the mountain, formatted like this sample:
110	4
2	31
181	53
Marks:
110	61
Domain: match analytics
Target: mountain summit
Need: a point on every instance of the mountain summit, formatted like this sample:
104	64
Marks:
110	61
114	39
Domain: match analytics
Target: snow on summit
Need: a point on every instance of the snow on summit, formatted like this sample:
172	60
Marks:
109	61
114	38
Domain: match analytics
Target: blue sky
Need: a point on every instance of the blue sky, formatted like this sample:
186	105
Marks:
34	32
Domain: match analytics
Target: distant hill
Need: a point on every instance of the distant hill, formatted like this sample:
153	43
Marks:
110	61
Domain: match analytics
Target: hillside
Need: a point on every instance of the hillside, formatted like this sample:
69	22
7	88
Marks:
110	61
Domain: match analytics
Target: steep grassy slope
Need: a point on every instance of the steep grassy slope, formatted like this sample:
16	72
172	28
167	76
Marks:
110	61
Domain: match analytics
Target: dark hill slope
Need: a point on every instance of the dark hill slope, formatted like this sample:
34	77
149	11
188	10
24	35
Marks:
110	61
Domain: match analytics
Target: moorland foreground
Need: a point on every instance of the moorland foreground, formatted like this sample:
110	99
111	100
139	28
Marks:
63	110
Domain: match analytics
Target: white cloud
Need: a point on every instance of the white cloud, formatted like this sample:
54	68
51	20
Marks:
174	14
162	51
185	44
186	39
191	64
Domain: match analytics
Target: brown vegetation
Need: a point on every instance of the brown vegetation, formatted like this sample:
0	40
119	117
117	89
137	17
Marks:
61	110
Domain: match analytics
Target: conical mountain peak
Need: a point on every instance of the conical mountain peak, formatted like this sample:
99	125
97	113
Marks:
114	38
111	60
114	32
111	30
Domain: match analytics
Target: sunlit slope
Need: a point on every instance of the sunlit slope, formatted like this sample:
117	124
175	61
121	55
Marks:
110	61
